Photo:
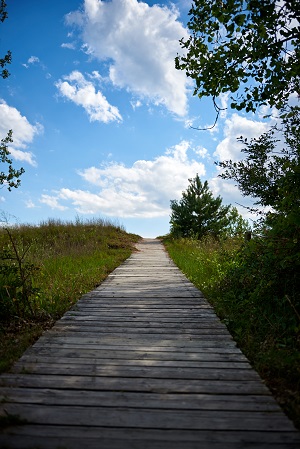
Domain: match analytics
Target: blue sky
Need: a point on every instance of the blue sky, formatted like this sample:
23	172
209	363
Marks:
101	118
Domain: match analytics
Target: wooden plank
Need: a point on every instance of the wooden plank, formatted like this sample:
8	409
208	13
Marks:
147	328
137	303
163	313
250	387
150	418
123	359
204	326
49	437
155	305
121	352
143	371
158	341
145	315
133	346
158	435
140	400
95	326
160	311
127	293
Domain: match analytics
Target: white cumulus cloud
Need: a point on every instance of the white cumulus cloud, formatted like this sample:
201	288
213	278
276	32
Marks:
52	202
82	92
69	45
140	43
143	190
237	126
31	60
23	132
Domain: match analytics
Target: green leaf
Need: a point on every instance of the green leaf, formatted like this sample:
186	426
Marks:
240	19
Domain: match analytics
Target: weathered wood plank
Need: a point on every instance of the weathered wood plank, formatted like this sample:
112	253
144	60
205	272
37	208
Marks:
149	371
147	314
156	318
205	326
130	360
138	292
121	352
140	399
144	312
150	418
145	302
49	437
95	326
250	387
118	326
146	329
188	347
95	340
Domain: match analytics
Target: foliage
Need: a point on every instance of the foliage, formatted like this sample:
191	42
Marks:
204	261
260	298
257	298
3	12
271	175
16	275
16	337
237	225
3	61
199	214
10	178
7	58
248	44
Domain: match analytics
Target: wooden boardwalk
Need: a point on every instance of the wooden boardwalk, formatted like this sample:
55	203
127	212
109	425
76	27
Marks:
142	362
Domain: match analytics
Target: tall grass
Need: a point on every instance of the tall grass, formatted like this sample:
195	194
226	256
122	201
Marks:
238	279
45	269
205	262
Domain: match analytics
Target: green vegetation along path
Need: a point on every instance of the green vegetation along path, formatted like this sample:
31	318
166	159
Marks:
140	362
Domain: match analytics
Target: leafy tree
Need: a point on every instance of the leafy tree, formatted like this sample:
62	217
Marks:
9	178
271	174
7	58
253	44
237	225
198	213
269	266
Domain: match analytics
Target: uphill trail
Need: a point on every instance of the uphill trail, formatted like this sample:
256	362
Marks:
141	362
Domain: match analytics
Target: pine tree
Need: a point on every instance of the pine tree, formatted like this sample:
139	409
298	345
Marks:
198	213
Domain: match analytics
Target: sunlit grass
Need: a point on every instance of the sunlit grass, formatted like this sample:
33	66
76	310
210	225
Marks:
62	279
204	262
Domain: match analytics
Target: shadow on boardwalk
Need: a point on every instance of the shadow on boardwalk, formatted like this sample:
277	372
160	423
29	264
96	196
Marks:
140	362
